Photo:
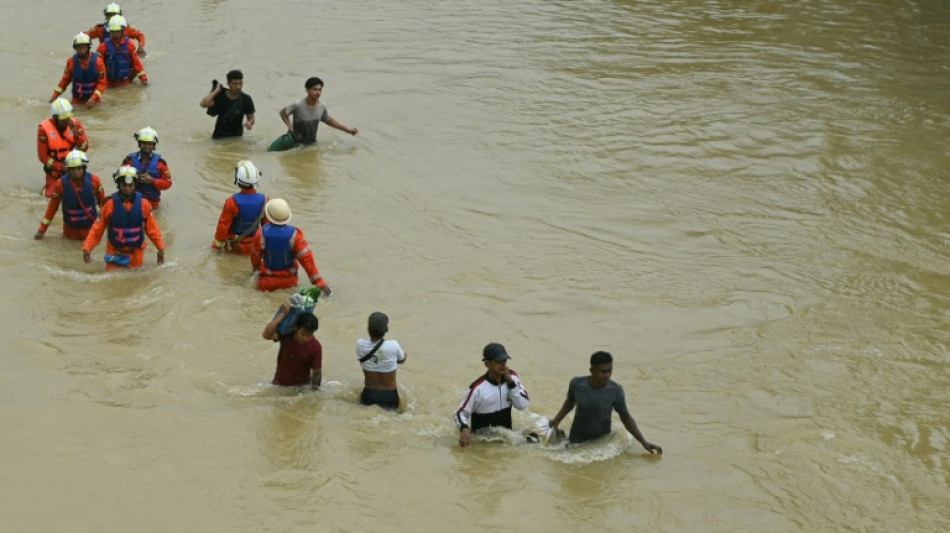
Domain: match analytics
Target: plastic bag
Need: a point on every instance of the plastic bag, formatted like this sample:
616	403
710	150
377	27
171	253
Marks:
301	301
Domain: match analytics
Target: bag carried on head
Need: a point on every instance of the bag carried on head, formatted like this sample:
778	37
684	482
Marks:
301	301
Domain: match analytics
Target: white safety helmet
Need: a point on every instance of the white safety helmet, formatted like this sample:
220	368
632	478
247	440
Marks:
81	38
117	23
126	173
246	174
147	135
277	211
112	9
61	108
76	158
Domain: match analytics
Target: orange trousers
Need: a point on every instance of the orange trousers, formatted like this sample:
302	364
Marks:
138	259
272	283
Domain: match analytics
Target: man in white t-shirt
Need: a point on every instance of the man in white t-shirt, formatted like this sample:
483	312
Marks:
308	113
379	357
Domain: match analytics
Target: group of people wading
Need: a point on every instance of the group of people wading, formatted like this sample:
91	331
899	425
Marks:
251	224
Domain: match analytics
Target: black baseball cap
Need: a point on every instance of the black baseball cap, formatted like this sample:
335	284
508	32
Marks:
495	352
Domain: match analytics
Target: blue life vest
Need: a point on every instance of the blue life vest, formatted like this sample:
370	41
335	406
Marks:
250	207
278	247
84	79
73	213
118	60
148	190
127	227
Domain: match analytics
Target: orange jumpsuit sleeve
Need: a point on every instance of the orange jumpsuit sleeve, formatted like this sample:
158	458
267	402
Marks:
42	146
133	33
81	141
53	206
98	228
98	190
97	32
304	255
138	69
255	254
228	212
67	77
102	82
151	226
165	181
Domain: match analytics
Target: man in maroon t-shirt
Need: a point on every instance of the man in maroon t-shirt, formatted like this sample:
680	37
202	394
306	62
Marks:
300	358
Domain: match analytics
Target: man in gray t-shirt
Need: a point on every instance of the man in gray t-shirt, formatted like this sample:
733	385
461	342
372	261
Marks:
308	113
596	397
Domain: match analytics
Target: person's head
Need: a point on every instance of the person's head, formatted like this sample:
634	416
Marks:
76	163
235	81
62	112
378	325
307	324
116	27
147	139
277	212
246	175
314	88
601	367
81	44
125	179
496	359
112	10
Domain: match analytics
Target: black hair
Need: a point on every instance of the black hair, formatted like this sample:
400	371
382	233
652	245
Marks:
235	75
600	358
378	325
312	82
308	322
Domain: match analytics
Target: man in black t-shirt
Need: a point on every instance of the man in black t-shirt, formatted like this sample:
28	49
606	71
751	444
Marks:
231	106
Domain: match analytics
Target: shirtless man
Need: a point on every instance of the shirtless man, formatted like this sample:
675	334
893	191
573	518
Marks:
379	357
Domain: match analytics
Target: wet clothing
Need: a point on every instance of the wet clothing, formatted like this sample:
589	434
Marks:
99	31
157	169
52	146
306	119
387	399
230	113
594	408
386	358
295	361
488	403
88	77
126	215
122	63
275	253
80	206
241	211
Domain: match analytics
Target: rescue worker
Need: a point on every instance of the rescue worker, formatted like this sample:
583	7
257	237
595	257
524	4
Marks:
122	65
127	217
100	31
86	71
55	138
276	249
154	176
81	194
242	212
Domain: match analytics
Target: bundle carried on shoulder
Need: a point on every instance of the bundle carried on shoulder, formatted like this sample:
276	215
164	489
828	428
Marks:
301	301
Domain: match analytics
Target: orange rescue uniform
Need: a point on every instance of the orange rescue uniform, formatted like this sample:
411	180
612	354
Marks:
138	255
57	197
221	234
68	78
52	146
100	32
138	69
271	280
